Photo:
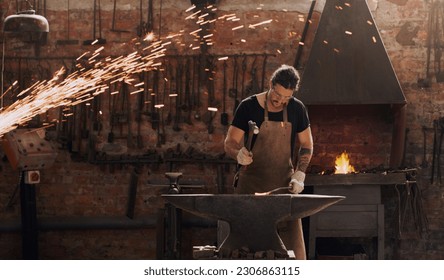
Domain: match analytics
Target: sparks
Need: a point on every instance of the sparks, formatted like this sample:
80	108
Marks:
260	23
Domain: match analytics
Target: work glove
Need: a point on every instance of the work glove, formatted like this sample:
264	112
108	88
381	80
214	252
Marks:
297	182
244	157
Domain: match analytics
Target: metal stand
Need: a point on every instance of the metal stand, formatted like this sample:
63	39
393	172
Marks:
29	220
170	222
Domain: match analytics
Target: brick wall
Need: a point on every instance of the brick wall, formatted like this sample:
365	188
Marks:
75	190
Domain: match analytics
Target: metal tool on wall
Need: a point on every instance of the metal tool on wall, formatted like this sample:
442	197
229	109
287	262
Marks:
68	41
129	135
193	89
224	114
244	72
111	113
197	103
132	191
113	24
232	92
435	40
212	102
178	91
139	112
161	140
264	69
95	39
438	126
424	163
145	27
155	116
170	72
186	105
253	85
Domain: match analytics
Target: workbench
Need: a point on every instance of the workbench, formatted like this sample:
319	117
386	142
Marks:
361	214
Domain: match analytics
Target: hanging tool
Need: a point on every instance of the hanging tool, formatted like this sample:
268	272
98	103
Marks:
438	13
68	41
96	40
178	94
441	131
212	68
140	106
197	94
96	113
161	130
170	71
155	117
244	71
212	104
193	88
232	92
438	127
111	112
141	29
430	34
264	68
253	86
148	26
121	112
132	192
224	115
435	143
210	118
129	135
424	163
113	24
186	105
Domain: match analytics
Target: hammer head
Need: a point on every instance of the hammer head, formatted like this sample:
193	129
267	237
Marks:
253	127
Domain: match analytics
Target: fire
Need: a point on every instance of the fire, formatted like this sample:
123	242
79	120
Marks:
342	164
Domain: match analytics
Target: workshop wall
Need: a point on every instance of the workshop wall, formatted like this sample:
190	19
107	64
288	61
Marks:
83	199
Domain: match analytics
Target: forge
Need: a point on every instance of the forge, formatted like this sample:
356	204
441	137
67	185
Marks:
356	104
252	218
351	90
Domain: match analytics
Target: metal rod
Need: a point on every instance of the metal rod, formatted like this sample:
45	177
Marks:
99	223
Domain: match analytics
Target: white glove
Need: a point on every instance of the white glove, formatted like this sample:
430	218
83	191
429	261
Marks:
244	157
297	182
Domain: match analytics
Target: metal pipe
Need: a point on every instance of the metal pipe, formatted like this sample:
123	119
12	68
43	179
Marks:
99	223
304	34
399	134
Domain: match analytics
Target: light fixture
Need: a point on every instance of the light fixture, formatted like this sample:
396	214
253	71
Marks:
25	21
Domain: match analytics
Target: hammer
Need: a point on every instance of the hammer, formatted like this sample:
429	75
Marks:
252	129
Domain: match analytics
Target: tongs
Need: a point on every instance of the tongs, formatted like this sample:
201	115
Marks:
273	190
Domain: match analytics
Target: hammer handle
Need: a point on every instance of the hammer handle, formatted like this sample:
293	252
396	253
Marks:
251	132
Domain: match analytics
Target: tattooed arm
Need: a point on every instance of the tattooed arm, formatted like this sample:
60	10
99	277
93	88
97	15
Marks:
304	157
305	151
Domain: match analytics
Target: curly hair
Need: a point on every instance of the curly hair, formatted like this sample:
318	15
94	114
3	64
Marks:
287	76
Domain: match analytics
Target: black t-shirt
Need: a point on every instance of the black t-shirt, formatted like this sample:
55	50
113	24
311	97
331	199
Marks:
250	109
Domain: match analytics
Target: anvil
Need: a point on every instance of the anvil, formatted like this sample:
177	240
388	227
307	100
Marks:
252	218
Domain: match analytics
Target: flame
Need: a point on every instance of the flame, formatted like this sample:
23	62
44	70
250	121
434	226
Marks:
342	164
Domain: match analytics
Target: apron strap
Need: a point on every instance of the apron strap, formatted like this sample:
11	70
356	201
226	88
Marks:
266	106
285	115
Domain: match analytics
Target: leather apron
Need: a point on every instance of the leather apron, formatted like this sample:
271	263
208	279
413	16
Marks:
272	168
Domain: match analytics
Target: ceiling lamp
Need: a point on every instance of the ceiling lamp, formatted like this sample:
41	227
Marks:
25	21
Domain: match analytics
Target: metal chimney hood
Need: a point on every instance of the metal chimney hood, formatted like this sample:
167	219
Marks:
348	63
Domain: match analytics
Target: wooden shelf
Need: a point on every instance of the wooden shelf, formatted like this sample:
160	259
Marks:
376	179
